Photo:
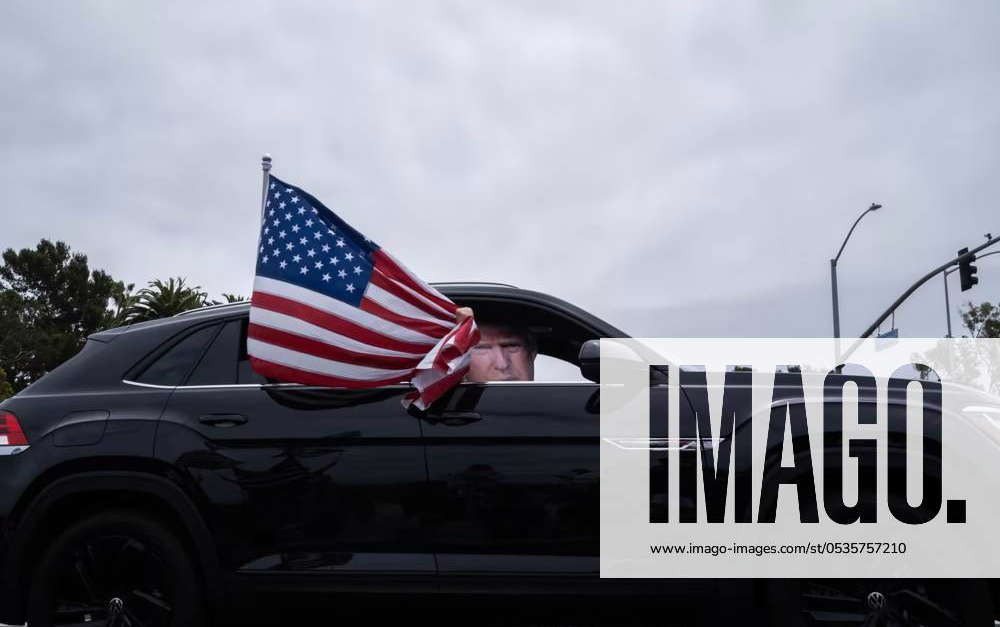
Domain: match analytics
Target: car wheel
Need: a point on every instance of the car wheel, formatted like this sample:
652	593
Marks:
118	569
884	602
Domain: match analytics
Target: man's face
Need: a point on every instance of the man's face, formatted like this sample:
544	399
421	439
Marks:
500	356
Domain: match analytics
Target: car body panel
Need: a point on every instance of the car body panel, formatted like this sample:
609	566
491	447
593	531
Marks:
315	480
320	490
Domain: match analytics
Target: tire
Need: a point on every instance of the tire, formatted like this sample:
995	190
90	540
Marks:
889	602
121	555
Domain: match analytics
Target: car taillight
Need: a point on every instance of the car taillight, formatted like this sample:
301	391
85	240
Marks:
10	430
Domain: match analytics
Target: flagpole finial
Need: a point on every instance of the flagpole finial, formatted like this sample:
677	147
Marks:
265	165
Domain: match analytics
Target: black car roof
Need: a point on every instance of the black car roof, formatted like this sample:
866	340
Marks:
458	291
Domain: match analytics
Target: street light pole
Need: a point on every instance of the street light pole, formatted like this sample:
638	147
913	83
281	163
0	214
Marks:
833	269
836	305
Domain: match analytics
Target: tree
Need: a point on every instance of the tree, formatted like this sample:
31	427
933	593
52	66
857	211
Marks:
123	310
982	320
230	298
49	302
6	391
162	299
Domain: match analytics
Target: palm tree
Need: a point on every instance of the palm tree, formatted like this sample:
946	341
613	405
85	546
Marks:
161	300
124	300
229	298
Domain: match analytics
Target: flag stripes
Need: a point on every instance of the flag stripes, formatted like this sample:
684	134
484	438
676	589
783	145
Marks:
331	308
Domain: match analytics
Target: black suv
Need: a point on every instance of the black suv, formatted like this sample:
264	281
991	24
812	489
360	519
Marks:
156	479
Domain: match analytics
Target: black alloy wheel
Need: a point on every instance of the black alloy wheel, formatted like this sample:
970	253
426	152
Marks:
116	569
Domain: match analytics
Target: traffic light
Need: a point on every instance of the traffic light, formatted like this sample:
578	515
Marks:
966	270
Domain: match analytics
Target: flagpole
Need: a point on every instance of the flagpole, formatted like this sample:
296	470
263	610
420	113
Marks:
265	165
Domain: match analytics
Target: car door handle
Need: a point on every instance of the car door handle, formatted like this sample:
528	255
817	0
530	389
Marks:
223	420
456	418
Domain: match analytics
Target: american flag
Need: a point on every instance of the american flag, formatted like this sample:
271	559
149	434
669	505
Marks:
333	309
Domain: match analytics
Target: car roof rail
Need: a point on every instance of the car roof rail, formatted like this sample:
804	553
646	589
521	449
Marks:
212	307
474	283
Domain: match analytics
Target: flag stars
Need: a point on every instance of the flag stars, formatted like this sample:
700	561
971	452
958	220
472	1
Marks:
289	246
265	258
318	265
311	253
295	199
340	243
276	252
288	189
276	222
282	234
309	222
326	277
288	216
270	241
334	260
349	256
357	269
295	228
326	248
317	235
302	210
271	212
273	185
282	265
303	241
342	274
267	230
303	270
281	205
277	194
350	287
297	258
315	210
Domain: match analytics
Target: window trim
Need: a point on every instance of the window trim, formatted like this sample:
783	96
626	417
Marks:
320	387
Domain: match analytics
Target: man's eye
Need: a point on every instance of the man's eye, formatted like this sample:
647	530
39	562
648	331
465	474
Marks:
513	348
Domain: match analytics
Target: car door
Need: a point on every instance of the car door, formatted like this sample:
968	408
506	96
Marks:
513	469
299	479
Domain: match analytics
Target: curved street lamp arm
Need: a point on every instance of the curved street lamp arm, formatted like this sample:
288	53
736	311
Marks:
854	226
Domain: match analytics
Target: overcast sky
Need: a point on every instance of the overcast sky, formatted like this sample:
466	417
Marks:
679	169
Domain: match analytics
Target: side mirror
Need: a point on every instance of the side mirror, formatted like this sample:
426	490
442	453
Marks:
590	360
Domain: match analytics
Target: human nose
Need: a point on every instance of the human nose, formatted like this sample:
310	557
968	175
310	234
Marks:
500	359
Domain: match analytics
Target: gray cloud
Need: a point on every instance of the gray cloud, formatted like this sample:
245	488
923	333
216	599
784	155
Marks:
687	169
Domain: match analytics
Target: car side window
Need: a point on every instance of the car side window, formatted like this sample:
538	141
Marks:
554	369
554	338
218	364
173	366
244	372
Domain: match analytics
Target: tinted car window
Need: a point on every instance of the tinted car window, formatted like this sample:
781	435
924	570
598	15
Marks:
172	366
218	364
245	373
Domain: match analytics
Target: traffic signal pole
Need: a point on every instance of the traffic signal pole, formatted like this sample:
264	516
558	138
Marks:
921	281
947	304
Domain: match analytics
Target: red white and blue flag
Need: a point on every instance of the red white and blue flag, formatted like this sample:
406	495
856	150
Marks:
331	308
